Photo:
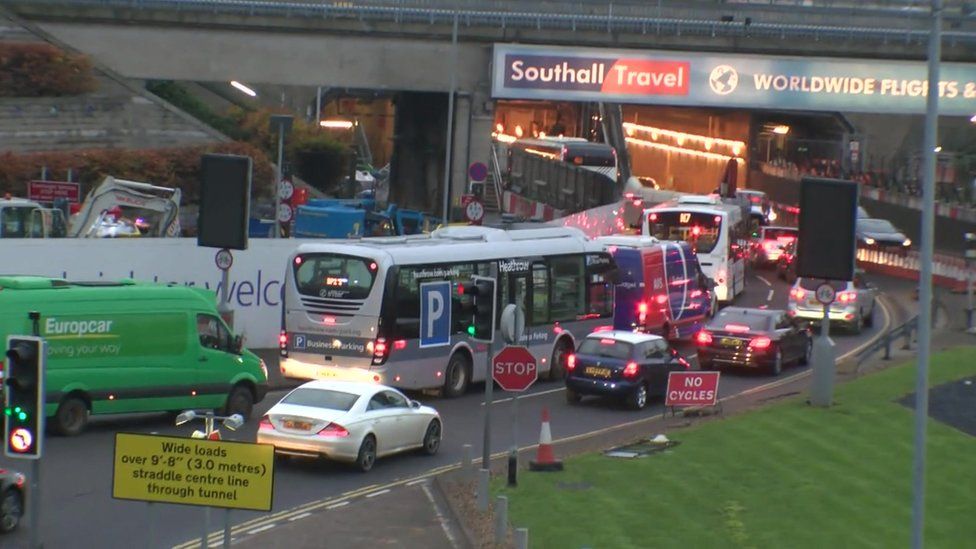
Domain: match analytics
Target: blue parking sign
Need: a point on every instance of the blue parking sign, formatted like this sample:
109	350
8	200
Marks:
435	314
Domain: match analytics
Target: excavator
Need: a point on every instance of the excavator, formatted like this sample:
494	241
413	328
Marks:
120	208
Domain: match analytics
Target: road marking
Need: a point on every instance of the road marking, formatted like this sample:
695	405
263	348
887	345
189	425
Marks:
299	517
340	501
441	518
262	528
540	393
416	482
770	296
379	493
766	282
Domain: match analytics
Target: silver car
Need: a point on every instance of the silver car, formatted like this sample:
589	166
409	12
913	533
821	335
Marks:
853	304
351	422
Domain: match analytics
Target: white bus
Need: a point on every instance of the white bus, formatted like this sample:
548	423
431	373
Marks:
352	309
716	230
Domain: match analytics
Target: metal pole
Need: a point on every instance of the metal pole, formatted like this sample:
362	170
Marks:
278	177
513	456
224	306
925	277
151	519
35	504
226	528
450	124
489	386
318	106
969	295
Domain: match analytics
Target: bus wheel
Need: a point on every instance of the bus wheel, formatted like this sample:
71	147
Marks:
71	417
557	366
458	376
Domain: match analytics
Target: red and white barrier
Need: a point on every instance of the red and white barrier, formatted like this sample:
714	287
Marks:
529	209
947	271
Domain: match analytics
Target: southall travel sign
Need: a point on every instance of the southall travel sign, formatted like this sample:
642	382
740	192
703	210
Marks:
718	80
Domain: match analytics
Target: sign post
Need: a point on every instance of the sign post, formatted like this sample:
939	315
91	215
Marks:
823	351
515	370
224	259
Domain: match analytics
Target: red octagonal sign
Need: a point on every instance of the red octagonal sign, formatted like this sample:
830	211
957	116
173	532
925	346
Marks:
514	368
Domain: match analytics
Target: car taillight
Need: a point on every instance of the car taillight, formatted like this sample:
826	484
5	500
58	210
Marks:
265	424
570	362
334	431
283	343
760	343
703	338
380	351
661	299
847	297
642	308
797	293
630	370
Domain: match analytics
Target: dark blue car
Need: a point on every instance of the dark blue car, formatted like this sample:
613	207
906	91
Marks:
629	365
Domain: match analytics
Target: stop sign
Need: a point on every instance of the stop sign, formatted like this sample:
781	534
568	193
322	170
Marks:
514	368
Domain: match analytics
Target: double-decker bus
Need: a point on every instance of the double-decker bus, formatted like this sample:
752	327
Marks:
352	309
595	157
717	232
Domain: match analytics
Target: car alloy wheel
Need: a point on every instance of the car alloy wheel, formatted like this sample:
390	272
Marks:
432	439
11	509
367	454
778	363
638	398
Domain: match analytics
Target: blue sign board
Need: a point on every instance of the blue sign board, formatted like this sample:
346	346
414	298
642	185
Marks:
727	80
435	314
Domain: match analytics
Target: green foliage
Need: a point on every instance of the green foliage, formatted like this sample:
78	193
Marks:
41	70
179	97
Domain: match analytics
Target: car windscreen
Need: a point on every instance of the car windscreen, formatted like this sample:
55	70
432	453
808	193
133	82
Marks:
813	283
876	226
778	233
334	276
739	321
605	347
321	398
699	229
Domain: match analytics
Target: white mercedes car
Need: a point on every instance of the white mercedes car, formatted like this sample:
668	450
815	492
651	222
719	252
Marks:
350	422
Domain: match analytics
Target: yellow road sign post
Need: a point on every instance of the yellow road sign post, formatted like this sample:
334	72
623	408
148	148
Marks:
165	469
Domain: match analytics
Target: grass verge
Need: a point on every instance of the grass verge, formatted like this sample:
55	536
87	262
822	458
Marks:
787	475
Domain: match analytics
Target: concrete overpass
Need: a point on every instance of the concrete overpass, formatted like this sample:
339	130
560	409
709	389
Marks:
407	45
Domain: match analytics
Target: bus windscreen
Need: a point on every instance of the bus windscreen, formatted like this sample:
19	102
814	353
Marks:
701	230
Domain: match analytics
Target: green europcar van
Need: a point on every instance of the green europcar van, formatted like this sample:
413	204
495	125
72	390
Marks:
126	346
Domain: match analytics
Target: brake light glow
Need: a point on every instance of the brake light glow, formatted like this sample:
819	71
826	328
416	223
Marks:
738	328
797	293
630	370
769	246
372	266
298	260
642	308
400	344
282	339
696	231
607	328
570	362
329	320
607	342
847	297
653	217
380	349
661	299
760	343
703	338
265	424
696	293
333	430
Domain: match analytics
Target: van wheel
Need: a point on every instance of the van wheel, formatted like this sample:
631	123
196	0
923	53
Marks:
71	417
239	401
458	376
557	368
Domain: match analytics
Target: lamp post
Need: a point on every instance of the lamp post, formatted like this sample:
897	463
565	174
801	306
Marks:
280	123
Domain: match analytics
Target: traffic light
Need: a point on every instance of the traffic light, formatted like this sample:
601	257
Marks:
482	324
23	411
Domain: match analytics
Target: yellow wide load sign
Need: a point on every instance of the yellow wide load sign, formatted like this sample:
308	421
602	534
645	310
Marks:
235	475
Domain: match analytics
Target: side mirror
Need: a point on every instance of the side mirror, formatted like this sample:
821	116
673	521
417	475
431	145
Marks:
238	344
414	404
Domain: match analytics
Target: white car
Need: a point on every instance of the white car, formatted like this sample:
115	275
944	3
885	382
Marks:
350	422
853	305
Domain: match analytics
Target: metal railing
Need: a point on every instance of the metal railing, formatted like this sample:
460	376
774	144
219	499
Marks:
906	332
658	18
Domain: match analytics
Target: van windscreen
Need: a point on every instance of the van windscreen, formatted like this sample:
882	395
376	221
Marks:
334	276
701	230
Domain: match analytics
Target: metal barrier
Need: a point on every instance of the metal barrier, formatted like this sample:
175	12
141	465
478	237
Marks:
563	186
906	331
485	14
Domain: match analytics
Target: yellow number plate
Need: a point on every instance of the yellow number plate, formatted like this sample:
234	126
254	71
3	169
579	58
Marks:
598	372
731	342
297	425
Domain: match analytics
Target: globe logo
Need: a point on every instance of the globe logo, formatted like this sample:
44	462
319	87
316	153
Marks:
723	79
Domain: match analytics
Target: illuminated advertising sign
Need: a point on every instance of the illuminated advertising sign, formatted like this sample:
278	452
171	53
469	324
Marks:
720	80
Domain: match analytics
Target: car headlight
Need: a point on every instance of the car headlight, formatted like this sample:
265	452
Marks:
868	240
907	242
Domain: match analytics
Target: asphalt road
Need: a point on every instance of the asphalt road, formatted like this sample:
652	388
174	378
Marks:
76	473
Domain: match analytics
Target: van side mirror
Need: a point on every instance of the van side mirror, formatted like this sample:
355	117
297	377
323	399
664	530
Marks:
238	344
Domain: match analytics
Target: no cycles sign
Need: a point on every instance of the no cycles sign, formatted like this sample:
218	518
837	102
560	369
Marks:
692	389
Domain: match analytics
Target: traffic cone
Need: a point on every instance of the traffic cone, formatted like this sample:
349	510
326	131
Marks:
545	460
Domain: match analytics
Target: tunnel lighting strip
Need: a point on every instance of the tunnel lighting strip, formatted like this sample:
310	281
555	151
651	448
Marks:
680	150
681	137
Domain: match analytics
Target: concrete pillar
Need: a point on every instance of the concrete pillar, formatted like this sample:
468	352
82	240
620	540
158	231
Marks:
472	139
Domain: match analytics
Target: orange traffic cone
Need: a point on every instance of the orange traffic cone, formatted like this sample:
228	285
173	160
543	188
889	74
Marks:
545	460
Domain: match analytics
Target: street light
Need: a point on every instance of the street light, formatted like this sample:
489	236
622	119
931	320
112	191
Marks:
231	422
246	90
